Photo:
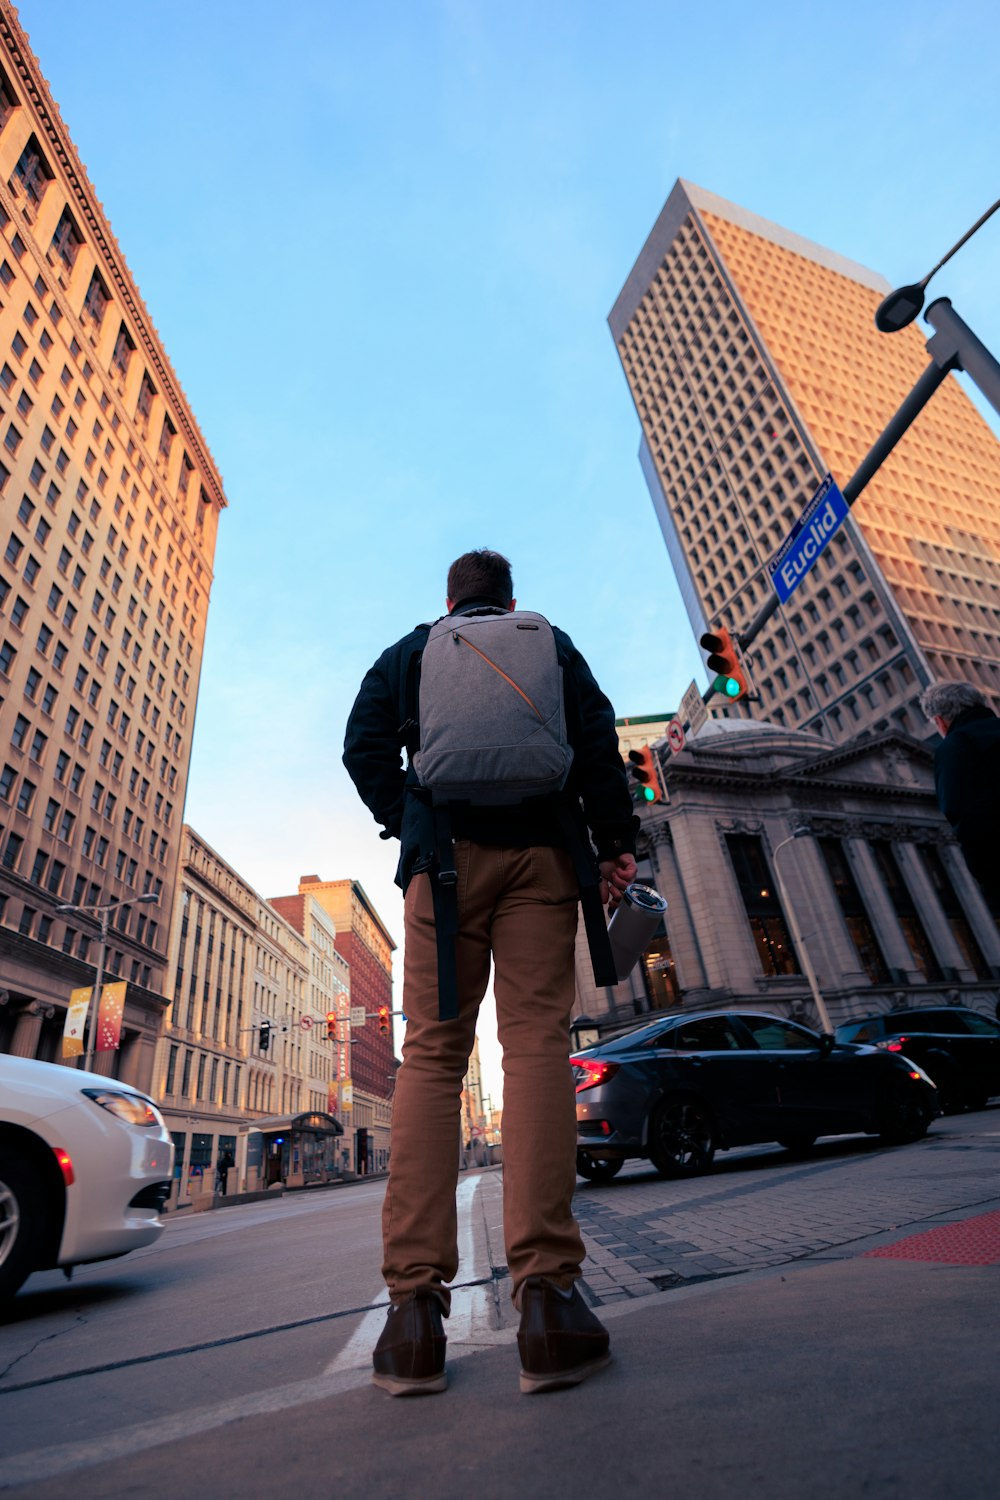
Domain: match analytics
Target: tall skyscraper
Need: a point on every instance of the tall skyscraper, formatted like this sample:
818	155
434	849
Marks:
755	367
109	503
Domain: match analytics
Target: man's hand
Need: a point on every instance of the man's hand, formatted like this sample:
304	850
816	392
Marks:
616	874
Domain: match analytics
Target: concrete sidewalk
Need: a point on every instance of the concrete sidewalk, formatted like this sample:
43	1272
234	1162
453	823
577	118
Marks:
872	1373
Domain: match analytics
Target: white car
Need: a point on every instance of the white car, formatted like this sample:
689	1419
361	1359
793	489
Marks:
85	1168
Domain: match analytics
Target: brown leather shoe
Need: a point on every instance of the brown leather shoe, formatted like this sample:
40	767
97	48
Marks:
560	1340
409	1355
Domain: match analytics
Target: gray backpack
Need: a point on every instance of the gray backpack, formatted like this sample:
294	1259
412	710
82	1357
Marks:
491	713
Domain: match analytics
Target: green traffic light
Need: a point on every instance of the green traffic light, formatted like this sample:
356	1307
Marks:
648	793
727	685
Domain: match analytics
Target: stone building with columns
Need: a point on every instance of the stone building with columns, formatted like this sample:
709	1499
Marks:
772	842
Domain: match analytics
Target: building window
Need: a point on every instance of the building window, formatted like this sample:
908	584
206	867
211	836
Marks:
924	957
167	434
124	349
66	241
147	395
763	908
96	301
12	851
32	173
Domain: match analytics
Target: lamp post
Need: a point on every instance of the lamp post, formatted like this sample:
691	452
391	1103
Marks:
103	910
797	937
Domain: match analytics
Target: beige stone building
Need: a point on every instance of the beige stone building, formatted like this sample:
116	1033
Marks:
238	969
109	504
755	367
329	1007
774	842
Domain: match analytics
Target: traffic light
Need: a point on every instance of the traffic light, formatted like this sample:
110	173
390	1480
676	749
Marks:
645	784
383	1019
726	661
265	1035
331	1025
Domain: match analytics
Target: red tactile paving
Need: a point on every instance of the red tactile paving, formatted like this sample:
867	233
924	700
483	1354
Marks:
973	1242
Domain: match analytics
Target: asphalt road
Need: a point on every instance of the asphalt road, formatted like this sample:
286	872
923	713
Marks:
253	1314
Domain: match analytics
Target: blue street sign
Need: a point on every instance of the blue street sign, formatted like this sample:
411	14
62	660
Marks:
807	539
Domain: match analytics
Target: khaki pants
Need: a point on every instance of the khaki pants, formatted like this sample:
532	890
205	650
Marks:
520	905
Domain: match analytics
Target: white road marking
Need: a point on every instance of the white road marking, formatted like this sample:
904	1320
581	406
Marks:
465	1303
469	1326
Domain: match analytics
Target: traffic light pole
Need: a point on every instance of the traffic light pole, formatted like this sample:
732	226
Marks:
953	346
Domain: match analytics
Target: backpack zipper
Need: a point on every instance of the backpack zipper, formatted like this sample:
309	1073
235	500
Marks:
457	636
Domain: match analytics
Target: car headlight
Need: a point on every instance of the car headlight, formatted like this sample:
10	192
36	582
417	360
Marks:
131	1108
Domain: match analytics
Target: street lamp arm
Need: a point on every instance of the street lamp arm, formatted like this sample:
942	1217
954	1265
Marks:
797	938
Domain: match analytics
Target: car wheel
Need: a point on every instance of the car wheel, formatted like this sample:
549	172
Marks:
597	1171
903	1115
21	1222
682	1138
797	1143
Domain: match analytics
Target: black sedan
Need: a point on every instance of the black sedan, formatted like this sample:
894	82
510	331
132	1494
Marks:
957	1047
682	1088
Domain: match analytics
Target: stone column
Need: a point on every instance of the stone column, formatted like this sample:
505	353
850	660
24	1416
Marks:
971	900
684	948
929	910
890	935
28	1029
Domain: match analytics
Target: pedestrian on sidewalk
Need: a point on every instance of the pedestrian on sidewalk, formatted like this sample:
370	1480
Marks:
967	777
484	881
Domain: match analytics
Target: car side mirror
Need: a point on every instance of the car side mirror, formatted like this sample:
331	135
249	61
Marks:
826	1044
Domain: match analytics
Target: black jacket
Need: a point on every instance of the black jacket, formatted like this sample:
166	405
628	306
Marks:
382	724
967	779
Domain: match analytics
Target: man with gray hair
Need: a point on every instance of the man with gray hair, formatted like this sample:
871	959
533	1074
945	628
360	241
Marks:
967	777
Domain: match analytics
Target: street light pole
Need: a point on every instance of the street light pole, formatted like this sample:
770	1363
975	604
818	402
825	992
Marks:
797	937
104	910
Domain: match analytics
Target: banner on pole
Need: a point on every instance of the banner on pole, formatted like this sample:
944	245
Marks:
76	1020
109	1017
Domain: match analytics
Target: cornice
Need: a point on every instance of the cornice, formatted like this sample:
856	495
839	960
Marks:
31	79
788	779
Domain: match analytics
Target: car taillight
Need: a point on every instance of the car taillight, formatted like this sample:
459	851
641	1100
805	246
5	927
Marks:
896	1045
590	1071
65	1165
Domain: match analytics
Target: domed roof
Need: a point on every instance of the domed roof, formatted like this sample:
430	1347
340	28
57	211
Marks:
722	730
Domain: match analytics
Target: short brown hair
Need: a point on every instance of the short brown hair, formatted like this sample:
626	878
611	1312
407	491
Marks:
481	575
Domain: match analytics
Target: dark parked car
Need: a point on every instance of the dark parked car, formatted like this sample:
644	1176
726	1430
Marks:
958	1048
682	1088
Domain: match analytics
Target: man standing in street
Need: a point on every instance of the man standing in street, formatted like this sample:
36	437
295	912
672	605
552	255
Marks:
513	872
967	777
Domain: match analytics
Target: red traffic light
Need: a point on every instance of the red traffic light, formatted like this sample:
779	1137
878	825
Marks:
726	662
331	1025
383	1019
645	776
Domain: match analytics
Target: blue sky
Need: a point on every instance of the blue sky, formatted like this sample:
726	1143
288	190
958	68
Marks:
380	242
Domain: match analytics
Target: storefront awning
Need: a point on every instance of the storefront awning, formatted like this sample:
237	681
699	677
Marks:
317	1122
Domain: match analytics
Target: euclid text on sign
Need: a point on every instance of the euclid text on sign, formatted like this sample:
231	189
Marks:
807	539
